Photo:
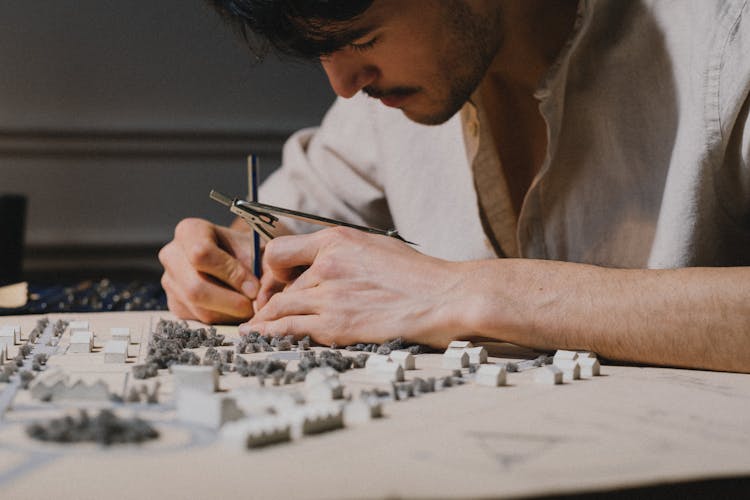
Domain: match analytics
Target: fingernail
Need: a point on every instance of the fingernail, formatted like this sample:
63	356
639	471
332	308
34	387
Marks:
246	328
250	288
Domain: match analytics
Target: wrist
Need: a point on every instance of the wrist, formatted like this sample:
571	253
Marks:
522	301
449	303
491	302
473	304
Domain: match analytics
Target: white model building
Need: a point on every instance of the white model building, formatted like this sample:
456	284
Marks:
590	367
255	432
81	391
208	410
314	419
41	386
477	355
115	351
259	401
2	354
375	359
387	372
15	329
404	358
562	354
323	384
548	374
460	344
325	390
491	375
196	377
585	354
455	359
54	385
81	341
120	333
9	335
77	326
570	368
317	375
361	411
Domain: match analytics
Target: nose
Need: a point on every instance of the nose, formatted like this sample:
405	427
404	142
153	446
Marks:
347	74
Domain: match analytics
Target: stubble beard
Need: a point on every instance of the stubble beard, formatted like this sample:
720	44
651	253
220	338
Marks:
471	45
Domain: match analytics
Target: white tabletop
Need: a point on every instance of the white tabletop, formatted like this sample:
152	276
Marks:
633	426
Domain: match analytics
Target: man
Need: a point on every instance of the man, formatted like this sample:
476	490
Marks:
601	148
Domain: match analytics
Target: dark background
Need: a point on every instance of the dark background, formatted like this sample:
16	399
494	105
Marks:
117	118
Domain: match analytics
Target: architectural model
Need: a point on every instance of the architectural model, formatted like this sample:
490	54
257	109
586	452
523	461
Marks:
251	392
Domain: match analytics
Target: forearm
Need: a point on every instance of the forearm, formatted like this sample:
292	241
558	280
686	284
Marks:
693	317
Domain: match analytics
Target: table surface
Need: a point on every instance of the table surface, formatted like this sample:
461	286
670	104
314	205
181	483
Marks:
632	426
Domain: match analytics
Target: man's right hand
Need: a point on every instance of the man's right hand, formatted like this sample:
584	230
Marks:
208	272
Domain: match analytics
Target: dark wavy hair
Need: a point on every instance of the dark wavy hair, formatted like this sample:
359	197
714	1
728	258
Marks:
306	29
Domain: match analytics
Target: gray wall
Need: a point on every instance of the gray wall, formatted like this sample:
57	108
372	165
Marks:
116	118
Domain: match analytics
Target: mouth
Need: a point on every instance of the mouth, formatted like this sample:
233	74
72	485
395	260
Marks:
393	98
395	101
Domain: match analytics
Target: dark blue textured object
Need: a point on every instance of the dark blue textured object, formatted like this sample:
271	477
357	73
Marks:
93	296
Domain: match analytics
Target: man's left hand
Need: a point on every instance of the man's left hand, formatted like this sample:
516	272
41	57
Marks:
345	286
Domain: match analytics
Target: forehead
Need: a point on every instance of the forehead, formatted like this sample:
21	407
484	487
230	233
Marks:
388	15
320	36
358	27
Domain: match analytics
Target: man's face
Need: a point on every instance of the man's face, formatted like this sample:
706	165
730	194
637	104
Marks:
424	57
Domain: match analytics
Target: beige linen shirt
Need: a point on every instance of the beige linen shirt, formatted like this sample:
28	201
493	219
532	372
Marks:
647	162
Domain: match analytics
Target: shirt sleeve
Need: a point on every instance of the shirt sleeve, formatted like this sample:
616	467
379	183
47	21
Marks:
332	170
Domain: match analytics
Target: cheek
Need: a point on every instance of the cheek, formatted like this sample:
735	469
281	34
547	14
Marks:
406	60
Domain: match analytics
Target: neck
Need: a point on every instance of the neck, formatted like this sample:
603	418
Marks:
535	32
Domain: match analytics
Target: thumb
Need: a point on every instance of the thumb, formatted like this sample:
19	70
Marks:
238	244
216	262
239	277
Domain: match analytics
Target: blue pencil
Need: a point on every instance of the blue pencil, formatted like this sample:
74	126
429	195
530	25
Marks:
253	177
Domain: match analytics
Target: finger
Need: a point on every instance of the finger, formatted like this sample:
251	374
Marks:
269	286
171	258
205	293
198	243
287	254
214	318
237	243
174	304
299	326
208	258
183	311
178	308
205	298
307	279
287	304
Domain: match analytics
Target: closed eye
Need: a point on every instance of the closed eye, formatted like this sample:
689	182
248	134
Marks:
361	47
